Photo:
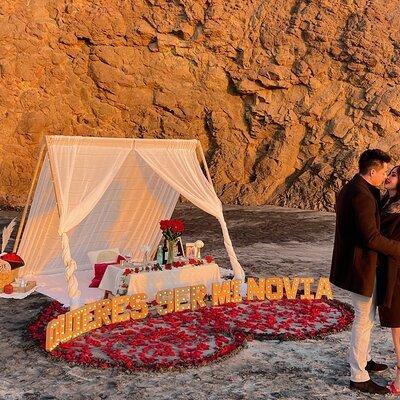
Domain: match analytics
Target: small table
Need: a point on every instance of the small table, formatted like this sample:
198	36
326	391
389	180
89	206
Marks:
154	281
18	295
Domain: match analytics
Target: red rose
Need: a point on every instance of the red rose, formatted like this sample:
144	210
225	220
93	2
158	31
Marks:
172	228
164	225
209	259
177	226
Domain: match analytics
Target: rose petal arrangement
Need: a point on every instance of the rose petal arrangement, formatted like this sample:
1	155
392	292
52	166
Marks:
281	319
194	338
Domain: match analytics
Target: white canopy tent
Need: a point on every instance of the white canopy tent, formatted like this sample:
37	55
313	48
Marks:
97	193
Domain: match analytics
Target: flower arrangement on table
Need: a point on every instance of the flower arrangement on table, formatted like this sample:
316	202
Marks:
172	230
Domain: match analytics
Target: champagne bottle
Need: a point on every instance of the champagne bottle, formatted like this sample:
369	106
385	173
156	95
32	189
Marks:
160	255
165	252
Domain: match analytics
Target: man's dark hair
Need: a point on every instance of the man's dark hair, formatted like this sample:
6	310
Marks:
371	159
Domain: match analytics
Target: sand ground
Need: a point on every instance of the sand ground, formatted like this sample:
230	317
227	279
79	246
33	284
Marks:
269	241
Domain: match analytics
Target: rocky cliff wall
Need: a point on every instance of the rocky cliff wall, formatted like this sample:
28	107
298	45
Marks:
282	94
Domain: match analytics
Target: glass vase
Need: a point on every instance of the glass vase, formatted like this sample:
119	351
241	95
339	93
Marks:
171	250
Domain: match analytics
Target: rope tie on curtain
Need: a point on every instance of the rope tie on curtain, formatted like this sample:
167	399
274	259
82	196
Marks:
237	268
70	268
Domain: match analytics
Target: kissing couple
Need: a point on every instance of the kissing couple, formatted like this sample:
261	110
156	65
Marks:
366	262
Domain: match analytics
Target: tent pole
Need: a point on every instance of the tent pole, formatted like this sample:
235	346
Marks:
203	158
35	179
56	193
69	262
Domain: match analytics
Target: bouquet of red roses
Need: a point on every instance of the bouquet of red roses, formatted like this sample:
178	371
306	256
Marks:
172	228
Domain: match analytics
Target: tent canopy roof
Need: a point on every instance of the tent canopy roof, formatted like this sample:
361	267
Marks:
97	193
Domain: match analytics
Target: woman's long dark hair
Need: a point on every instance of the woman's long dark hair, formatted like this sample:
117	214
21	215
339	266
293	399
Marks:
386	200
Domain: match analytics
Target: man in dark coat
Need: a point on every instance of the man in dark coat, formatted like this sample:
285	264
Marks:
354	261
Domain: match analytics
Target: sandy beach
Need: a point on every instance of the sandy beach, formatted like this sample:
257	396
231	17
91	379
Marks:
269	241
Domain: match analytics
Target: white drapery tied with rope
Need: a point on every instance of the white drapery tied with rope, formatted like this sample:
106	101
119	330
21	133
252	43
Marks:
75	179
69	159
179	167
70	268
237	268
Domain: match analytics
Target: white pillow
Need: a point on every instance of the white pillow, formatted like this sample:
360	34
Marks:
103	256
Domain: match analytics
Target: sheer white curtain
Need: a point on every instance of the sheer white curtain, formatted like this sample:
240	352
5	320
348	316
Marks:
82	173
176	162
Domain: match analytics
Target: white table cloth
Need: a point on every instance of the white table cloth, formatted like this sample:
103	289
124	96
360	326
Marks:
154	281
17	295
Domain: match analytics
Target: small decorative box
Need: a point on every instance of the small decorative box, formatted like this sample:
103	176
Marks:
29	285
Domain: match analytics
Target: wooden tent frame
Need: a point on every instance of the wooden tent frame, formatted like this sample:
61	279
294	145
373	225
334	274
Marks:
38	168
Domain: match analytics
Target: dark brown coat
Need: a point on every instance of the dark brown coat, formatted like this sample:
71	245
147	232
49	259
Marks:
358	239
388	271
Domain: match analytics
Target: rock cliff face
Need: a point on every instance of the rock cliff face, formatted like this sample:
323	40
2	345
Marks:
282	94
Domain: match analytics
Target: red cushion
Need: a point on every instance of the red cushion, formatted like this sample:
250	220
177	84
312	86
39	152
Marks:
99	271
13	259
